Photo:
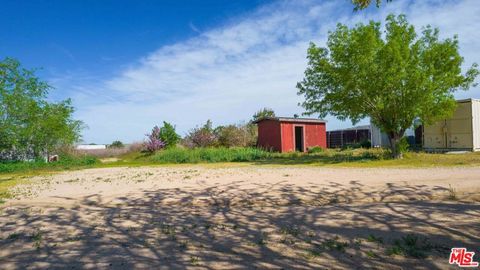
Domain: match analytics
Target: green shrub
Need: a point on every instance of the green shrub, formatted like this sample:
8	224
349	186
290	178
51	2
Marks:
201	136
242	135
116	144
315	149
366	144
265	112
168	135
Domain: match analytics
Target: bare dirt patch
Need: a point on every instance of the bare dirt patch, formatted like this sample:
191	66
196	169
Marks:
241	217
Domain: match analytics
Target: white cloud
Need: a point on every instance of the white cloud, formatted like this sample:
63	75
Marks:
227	73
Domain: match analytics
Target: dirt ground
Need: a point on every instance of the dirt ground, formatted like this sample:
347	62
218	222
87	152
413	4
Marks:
245	217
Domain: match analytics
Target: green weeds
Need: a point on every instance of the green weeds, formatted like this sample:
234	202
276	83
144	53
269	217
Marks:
209	155
411	245
64	163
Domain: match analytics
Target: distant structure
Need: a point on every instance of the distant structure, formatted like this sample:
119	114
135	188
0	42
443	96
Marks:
378	138
287	134
91	146
350	136
460	132
368	135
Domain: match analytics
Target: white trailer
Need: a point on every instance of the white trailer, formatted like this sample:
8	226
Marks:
460	132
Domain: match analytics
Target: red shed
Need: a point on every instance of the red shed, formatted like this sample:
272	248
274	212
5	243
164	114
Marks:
286	134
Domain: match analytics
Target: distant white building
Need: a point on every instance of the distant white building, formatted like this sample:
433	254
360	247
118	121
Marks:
91	146
378	138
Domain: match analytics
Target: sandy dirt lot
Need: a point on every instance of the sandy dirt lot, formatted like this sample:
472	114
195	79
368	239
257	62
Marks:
246	217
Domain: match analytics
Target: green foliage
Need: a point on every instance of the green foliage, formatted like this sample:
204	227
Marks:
393	78
116	144
315	149
241	135
168	135
363	144
30	126
237	135
363	4
243	154
265	112
366	144
403	145
374	239
220	154
65	162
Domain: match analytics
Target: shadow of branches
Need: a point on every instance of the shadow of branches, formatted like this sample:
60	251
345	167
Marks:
228	226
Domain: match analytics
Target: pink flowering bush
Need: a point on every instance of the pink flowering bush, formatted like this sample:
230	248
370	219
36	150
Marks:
154	142
201	136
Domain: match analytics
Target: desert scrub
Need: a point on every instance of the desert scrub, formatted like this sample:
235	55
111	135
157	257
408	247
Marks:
209	154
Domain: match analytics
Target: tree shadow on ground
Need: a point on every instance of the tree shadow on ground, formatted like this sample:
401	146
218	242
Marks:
273	226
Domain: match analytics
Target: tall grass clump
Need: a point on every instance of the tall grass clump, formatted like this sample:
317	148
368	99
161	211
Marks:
209	155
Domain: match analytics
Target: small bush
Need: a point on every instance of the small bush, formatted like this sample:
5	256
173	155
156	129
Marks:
241	135
237	135
201	137
366	144
116	144
315	149
154	142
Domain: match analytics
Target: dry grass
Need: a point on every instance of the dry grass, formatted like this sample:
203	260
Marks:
9	181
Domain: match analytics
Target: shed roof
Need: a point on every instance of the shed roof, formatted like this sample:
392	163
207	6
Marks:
364	127
467	100
292	119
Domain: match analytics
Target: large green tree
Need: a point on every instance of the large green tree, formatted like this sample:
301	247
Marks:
393	77
29	124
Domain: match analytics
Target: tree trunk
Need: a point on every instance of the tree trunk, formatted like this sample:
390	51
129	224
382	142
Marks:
394	147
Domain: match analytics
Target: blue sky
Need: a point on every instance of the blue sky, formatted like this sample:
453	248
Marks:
129	65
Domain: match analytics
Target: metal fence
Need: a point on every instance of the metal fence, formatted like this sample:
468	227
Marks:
344	138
